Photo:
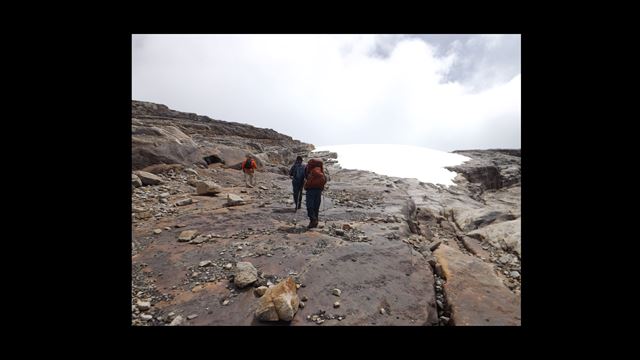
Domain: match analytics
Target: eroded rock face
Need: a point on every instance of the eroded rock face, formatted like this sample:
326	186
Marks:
279	302
491	169
164	136
162	144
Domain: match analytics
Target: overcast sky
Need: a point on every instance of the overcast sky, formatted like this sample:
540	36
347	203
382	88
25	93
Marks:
444	92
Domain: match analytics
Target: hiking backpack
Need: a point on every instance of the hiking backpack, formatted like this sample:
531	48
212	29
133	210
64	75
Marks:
298	172
315	175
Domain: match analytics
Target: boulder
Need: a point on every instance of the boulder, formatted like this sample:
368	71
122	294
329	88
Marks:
187	235
279	302
246	274
207	188
148	178
234	200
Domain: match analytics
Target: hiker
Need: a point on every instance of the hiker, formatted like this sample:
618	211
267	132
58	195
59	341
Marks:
297	181
315	181
248	167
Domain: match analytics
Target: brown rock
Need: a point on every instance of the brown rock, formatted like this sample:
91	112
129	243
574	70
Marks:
279	302
187	235
207	188
259	291
474	246
476	295
435	245
148	178
183	202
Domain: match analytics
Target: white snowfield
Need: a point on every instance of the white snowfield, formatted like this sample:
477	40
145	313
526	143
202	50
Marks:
406	161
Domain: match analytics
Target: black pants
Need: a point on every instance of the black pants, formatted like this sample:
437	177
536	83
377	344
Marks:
297	193
313	203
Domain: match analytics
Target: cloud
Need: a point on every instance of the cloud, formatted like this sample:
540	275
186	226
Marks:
328	89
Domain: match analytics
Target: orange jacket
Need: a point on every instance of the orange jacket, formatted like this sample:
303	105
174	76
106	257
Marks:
249	169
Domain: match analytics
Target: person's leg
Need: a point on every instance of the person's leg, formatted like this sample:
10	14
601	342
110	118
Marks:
296	191
253	179
312	199
246	178
309	205
250	179
299	194
316	205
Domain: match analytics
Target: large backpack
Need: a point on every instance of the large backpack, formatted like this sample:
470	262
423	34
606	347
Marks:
315	175
247	164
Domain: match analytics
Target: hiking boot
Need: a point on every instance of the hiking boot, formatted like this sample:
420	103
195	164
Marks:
313	223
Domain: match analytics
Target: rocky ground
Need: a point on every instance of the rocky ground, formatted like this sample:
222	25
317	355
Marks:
388	251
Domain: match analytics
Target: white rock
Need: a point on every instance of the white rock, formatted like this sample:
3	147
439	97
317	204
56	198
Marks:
191	171
178	320
143	305
233	200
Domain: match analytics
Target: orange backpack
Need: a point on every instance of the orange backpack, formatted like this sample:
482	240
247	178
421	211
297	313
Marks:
315	175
